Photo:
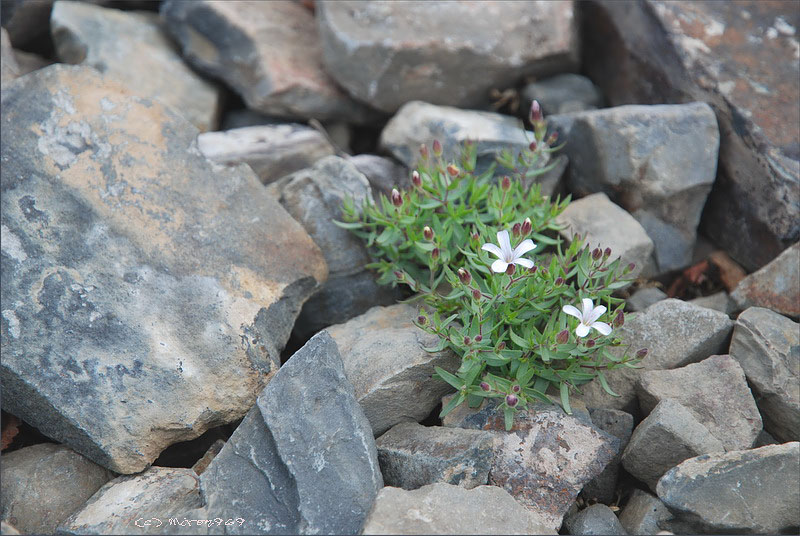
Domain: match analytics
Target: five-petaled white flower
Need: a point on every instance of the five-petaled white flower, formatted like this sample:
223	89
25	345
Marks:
588	318
506	255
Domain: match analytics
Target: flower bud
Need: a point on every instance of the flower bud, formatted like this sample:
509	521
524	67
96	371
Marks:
505	183
397	199
399	275
562	337
416	180
527	226
552	139
427	232
511	268
464	276
515	388
501	346
533	269
453	170
559	281
535	114
435	253
642	353
437	148
516	229
478	337
467	341
590	343
421	320
545	272
476	294
532	146
511	401
476	236
485	386
607	253
596	253
629	268
423	151
619	320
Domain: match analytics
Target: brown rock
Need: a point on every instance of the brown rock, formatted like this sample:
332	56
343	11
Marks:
776	286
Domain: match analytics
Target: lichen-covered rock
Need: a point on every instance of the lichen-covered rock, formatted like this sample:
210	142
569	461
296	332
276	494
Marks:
136	311
774	286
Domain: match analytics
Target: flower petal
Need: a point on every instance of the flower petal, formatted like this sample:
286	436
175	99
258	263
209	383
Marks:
499	266
527	263
572	311
582	330
588	305
524	247
602	327
596	313
505	245
491	248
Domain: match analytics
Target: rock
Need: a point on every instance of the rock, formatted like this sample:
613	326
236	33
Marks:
774	286
563	93
133	48
657	162
645	297
389	53
656	52
748	491
164	313
9	68
714	391
382	173
273	151
546	459
268	52
619	424
718	302
765	438
303	461
8	528
26	21
669	435
595	519
137	504
412	456
675	333
244	117
730	272
643	513
767	346
43	484
447	509
29	62
314	197
202	464
385	359
605	225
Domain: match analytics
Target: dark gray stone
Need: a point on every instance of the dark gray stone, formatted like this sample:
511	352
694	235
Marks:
645	297
595	519
643	513
619	424
383	173
563	93
26	20
9	68
774	286
719	301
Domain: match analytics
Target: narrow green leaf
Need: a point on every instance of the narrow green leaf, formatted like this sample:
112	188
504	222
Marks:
564	388
449	378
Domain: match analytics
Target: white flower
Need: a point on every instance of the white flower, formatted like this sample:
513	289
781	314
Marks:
506	255
588	318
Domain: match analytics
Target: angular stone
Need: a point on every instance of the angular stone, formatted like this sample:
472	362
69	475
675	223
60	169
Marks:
385	359
619	424
669	435
719	301
603	224
412	456
382	173
447	509
657	162
133	48
389	53
563	93
273	151
142	286
595	519
268	52
716	52
675	333
44	484
774	286
137	504
29	62
202	464
744	491
714	391
645	297
767	346
643	513
303	461
9	68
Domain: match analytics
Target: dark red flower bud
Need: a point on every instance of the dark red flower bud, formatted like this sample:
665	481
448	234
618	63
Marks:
505	183
515	388
629	268
453	170
435	253
527	226
485	386
545	271
532	146
398	274
619	320
642	353
427	232
437	148
590	343
511	268
478	338
464	276
559	281
596	253
516	229
416	180
552	139
535	114
476	236
423	151
397	199
562	337
607	253
422	320
511	400
501	346
467	341
533	269
476	294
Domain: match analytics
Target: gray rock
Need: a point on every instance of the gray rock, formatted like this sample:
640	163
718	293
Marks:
9	68
26	20
268	52
669	435
382	173
619	424
765	438
8	528
657	162
137	504
643	513
603	224
273	151
563	93
767	346
645	297
244	117
303	461
714	391
447	509
43	484
719	301
134	49
675	333
412	456
748	491
595	519
774	286
164	313
389	53
29	62
385	359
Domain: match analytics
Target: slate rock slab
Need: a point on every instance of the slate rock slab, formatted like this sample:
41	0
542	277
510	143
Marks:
133	48
643	513
146	296
43	484
744	491
594	519
774	286
714	391
767	346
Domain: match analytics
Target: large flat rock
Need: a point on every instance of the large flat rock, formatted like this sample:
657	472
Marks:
146	296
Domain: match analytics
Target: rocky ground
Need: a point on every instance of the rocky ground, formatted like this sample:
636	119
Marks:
186	335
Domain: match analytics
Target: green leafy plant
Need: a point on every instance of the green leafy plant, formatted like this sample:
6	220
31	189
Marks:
508	312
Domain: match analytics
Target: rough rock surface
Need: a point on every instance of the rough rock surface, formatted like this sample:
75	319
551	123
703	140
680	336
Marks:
137	504
774	286
714	391
744	491
134	49
619	424
643	513
719	301
447	509
111	248
767	346
382	173
43	484
645	297
412	456
657	162
595	519
273	151
388	53
563	93
269	52
385	359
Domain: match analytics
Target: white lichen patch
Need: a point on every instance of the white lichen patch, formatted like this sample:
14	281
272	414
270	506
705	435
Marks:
13	322
12	245
784	27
